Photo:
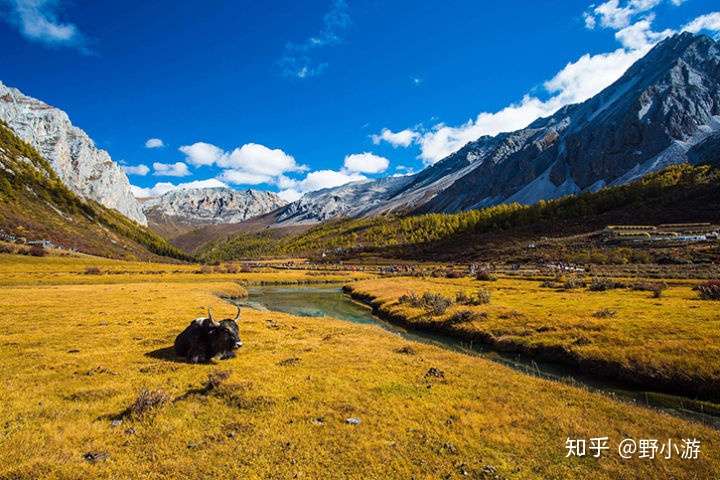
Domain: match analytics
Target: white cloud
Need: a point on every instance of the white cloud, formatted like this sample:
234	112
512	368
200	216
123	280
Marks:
403	138
575	83
297	60
164	187
240	177
640	35
37	20
590	22
611	15
260	160
154	143
321	179
365	162
140	170
201	153
711	22
289	195
177	169
291	189
416	81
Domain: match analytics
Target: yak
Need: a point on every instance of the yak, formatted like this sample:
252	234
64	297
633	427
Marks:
204	339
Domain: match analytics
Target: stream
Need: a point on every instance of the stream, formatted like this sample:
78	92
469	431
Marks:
330	301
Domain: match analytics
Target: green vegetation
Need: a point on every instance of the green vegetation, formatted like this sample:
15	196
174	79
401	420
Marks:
34	203
413	235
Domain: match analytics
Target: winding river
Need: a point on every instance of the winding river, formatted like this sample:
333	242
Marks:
330	301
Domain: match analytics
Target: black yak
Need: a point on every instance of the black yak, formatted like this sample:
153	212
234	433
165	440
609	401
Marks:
205	339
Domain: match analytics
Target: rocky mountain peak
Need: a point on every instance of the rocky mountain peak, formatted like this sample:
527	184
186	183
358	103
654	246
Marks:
85	169
211	205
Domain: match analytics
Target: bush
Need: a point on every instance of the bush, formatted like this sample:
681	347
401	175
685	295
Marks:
709	290
453	274
148	400
411	299
464	316
573	282
231	268
462	298
37	251
485	276
550	284
604	313
603	284
482	297
657	288
435	303
5	248
93	271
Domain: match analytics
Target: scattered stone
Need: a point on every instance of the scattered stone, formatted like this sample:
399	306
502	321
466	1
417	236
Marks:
407	350
130	431
434	373
95	457
352	421
318	421
288	362
449	448
116	423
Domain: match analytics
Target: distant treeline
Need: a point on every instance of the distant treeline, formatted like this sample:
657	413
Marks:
394	234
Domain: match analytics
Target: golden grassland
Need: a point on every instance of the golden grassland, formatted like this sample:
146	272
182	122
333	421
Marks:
73	358
27	270
670	343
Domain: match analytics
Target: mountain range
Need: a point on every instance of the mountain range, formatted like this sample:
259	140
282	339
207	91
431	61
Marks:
664	110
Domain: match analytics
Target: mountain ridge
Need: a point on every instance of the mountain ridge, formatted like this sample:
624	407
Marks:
85	169
653	116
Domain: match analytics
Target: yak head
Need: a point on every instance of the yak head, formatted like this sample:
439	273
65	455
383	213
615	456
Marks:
224	337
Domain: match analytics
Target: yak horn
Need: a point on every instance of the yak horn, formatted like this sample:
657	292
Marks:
238	313
210	315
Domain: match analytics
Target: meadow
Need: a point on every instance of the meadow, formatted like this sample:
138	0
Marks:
669	343
304	398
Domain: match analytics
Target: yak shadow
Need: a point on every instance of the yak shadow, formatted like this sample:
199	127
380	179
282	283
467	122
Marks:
167	354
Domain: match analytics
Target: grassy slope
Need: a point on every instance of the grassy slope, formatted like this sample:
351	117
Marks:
680	193
670	343
35	204
63	382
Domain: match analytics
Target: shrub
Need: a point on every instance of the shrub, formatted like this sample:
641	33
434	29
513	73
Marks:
214	379
453	274
231	268
148	400
92	271
573	282
482	297
603	284
485	276
435	303
464	316
656	288
205	269
5	248
604	313
37	251
462	298
550	284
411	299
245	268
709	290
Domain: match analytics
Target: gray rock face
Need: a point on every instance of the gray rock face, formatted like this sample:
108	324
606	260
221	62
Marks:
658	113
200	206
85	169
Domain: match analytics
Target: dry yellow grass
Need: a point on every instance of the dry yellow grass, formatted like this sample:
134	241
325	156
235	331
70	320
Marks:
672	342
54	270
74	357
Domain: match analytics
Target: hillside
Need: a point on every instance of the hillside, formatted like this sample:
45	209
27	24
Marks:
680	193
35	204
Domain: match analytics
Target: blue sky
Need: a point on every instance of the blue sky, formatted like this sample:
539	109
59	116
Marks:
295	96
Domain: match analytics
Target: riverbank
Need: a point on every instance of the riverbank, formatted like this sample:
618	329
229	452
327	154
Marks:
669	344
